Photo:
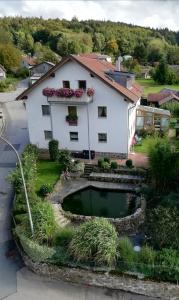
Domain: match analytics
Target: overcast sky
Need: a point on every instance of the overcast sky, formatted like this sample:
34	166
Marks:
152	13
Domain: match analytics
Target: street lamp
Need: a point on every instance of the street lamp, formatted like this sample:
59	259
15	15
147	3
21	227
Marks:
23	181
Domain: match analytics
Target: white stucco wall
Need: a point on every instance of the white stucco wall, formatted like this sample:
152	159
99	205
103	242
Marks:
115	125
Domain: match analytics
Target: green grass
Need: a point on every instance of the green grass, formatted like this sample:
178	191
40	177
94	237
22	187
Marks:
9	84
151	87
145	143
48	172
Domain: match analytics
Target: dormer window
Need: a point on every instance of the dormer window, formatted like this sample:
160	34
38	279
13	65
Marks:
82	84
66	84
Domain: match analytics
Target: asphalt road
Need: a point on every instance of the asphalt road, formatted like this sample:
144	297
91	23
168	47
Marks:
17	283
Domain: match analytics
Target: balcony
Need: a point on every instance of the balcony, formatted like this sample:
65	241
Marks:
69	96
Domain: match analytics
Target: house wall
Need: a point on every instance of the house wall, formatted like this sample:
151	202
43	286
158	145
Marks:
115	125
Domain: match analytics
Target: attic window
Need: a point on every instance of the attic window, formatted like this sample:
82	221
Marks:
91	75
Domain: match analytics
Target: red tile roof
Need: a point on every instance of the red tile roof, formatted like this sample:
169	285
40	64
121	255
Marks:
157	97
97	68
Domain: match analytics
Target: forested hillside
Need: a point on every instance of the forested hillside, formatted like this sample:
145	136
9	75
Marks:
46	38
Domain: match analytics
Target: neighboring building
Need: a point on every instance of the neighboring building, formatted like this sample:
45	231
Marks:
27	61
37	71
158	99
145	72
2	73
94	110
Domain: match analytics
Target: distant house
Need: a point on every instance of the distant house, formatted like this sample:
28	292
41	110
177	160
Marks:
145	73
39	70
157	99
2	73
27	61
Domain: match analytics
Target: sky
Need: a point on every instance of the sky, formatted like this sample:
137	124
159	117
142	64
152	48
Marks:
149	13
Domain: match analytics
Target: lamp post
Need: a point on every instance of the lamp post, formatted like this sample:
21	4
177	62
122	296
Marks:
23	181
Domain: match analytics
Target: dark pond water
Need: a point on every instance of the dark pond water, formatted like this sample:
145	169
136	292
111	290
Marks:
101	202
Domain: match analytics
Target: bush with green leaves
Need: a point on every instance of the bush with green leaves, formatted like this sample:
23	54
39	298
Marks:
64	236
65	159
31	149
78	166
162	226
167	267
53	150
38	253
129	163
127	253
95	241
100	162
114	165
45	189
163	163
45	225
105	166
147	255
106	159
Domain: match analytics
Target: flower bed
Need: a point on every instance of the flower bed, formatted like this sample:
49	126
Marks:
66	92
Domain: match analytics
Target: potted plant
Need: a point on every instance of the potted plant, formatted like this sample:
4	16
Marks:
72	119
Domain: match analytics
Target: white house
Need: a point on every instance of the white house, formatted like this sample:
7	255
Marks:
2	73
90	106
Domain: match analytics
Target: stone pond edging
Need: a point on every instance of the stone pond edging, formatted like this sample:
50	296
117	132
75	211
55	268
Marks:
124	225
163	291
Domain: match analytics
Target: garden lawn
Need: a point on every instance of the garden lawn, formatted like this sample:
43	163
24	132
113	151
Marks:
48	172
143	147
150	86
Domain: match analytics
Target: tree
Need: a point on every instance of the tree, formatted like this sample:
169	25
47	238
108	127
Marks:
10	56
163	226
140	53
163	74
156	50
111	47
98	42
163	164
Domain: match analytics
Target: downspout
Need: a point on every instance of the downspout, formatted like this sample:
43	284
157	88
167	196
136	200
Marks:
51	117
128	128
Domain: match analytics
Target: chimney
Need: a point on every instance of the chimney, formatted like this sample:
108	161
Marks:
118	63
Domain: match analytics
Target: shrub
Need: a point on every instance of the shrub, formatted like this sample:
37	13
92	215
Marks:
147	255
106	159
78	166
45	226
129	163
65	159
100	162
163	163
95	241
114	165
105	165
31	149
162	226
53	150
36	252
127	253
64	236
45	189
167	265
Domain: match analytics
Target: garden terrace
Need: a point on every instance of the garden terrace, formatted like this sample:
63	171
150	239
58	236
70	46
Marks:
118	178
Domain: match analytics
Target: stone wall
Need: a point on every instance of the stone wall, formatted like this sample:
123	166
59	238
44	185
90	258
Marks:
163	291
126	225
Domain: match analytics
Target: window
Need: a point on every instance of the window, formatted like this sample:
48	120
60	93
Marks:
73	136
66	84
82	84
102	137
102	111
48	134
45	110
72	110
